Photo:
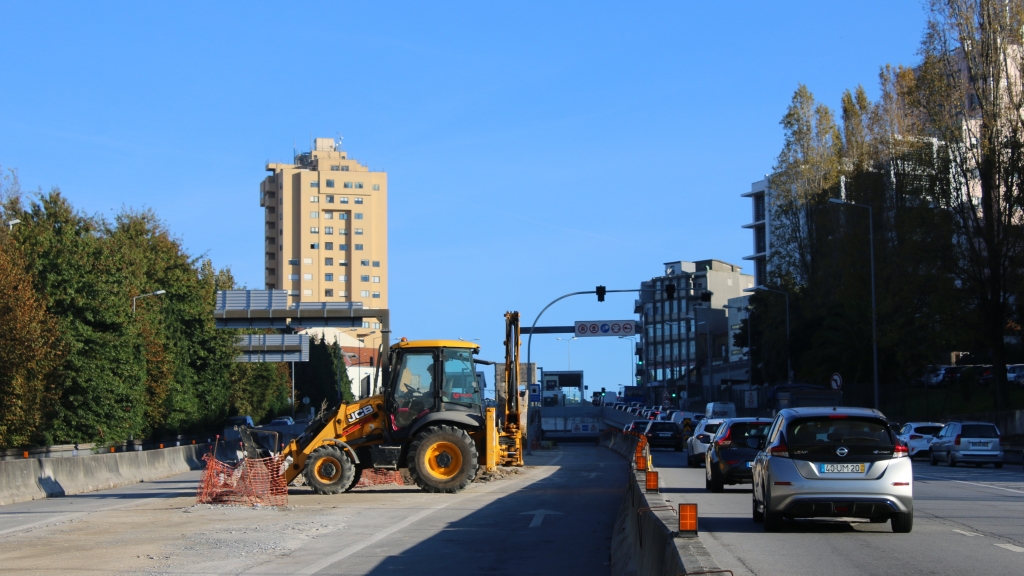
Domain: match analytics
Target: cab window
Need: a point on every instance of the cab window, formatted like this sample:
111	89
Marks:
413	392
460	385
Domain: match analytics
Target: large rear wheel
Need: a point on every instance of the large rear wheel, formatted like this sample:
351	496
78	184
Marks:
329	470
443	459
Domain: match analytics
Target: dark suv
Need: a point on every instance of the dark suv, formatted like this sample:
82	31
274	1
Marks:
732	450
665	435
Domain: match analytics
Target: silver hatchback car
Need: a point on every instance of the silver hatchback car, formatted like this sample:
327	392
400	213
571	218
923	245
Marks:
832	462
967	443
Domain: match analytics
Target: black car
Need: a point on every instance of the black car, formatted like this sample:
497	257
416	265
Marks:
662	434
732	451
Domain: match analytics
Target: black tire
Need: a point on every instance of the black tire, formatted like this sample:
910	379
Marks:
772	521
707	482
329	470
903	523
757	515
932	460
689	460
717	485
355	478
999	464
443	459
949	460
679	447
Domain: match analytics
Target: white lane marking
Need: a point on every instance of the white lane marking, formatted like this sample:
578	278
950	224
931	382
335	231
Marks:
1011	547
966	533
971	483
324	563
538	517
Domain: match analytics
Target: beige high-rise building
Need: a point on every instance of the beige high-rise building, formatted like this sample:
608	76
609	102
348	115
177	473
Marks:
326	220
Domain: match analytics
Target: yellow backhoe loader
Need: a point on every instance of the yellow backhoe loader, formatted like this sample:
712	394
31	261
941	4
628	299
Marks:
429	416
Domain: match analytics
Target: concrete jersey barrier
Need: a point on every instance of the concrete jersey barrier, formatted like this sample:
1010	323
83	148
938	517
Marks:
36	478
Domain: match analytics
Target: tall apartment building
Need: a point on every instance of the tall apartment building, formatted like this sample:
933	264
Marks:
326	220
760	225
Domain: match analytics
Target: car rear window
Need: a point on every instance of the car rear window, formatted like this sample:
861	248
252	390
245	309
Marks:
663	427
739	431
835	430
978	431
929	430
712	428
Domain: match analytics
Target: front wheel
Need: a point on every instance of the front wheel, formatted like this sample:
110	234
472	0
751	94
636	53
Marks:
328	470
443	459
949	460
932	460
903	523
756	514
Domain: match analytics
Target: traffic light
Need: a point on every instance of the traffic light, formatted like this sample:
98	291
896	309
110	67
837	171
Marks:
705	296
673	394
600	293
670	291
602	391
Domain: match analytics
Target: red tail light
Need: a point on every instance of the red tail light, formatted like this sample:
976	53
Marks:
780	451
725	440
957	440
900	451
916	437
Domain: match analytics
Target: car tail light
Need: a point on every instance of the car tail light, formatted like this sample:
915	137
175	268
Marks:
900	451
732	462
916	437
781	451
901	483
957	440
726	440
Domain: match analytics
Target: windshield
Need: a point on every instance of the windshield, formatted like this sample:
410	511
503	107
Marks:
927	430
711	428
460	386
979	431
663	427
829	431
740	431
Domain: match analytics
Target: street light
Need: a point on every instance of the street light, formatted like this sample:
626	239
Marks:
874	323
134	298
631	381
568	350
789	355
11	223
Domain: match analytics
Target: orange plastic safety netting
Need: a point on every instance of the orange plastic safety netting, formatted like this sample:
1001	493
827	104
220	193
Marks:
254	481
371	477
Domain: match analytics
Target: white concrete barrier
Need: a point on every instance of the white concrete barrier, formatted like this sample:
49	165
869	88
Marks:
35	478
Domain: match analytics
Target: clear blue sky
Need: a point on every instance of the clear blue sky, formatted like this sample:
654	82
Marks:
532	149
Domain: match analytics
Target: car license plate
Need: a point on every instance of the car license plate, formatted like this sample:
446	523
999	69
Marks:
841	468
979	444
749	464
664	434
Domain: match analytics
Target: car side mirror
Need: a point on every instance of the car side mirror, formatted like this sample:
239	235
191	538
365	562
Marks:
704	438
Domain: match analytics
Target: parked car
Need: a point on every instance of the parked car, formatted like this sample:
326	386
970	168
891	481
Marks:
933	376
1015	373
950	374
664	435
967	443
639	426
917	437
667	415
231	426
697	444
832	462
282	421
732	451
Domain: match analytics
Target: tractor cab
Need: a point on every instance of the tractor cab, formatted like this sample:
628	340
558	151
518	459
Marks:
431	380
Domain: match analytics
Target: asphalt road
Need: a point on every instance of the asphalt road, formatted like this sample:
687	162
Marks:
966	521
556	517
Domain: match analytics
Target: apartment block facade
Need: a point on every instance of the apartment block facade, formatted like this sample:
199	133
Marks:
760	225
326	224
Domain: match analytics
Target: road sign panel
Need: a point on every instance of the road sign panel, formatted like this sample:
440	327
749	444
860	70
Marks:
606	327
837	381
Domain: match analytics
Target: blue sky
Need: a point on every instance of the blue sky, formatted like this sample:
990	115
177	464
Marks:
532	149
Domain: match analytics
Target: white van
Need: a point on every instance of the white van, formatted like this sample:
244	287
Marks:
720	410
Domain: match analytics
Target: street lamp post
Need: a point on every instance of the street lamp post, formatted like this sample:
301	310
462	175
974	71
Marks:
568	350
789	354
874	323
157	293
11	223
631	381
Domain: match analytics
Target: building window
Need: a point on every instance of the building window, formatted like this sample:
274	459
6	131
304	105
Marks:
294	262
330	183
328	245
328	261
293	276
359	246
359	200
330	198
314	199
314	214
376	263
344	168
293	292
314	184
328	277
365	278
376	325
376	186
359	184
366	324
376	294
376	279
344	200
314	229
342	262
342	278
359	215
328	229
342	231
328	215
271	210
307	276
342	293
271	256
359	231
307	292
329	292
314	246
365	294
342	246
307	260
364	262
343	215
335	168
348	184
